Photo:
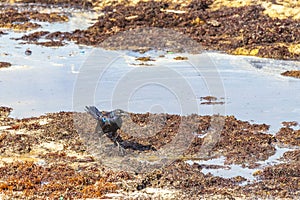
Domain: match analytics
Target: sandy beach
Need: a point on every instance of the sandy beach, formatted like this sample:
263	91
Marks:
210	90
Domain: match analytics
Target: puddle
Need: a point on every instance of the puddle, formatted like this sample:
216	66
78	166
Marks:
249	94
233	170
252	89
259	95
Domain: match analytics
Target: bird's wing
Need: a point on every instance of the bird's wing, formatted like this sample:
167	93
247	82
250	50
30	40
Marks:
92	110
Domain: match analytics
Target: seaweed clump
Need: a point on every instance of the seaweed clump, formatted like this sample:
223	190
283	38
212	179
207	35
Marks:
293	73
55	181
4	64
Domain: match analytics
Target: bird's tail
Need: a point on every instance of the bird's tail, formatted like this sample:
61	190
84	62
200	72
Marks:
92	110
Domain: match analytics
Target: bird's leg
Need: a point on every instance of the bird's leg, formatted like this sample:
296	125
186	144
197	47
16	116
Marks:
120	148
113	136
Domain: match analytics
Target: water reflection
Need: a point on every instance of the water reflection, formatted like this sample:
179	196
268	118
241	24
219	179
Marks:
44	81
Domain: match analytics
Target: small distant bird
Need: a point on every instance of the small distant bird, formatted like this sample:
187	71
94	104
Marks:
28	52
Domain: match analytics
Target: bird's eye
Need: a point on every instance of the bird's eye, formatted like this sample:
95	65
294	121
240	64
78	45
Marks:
103	119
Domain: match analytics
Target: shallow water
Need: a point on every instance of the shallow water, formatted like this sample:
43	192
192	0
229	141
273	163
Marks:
234	170
41	82
70	77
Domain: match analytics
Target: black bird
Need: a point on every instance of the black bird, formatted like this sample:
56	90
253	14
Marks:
108	123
